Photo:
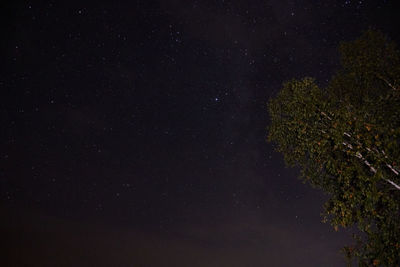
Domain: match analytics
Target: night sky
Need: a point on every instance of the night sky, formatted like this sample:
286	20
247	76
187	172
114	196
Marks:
134	134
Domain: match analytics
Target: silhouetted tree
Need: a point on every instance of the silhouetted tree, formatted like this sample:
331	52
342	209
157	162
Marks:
346	140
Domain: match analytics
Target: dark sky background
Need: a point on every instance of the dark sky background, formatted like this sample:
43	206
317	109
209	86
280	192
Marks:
134	134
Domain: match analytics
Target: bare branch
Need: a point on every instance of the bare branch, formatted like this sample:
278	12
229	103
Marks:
386	81
392	183
324	114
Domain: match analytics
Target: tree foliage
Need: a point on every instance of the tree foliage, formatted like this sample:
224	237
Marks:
346	140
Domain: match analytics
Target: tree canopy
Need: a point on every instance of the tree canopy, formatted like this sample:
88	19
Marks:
345	137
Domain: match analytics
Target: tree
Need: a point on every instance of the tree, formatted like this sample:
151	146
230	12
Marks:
346	140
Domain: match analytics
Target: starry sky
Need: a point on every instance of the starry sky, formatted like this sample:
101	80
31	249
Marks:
134	134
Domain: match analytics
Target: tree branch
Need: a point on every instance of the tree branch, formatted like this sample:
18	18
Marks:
386	81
